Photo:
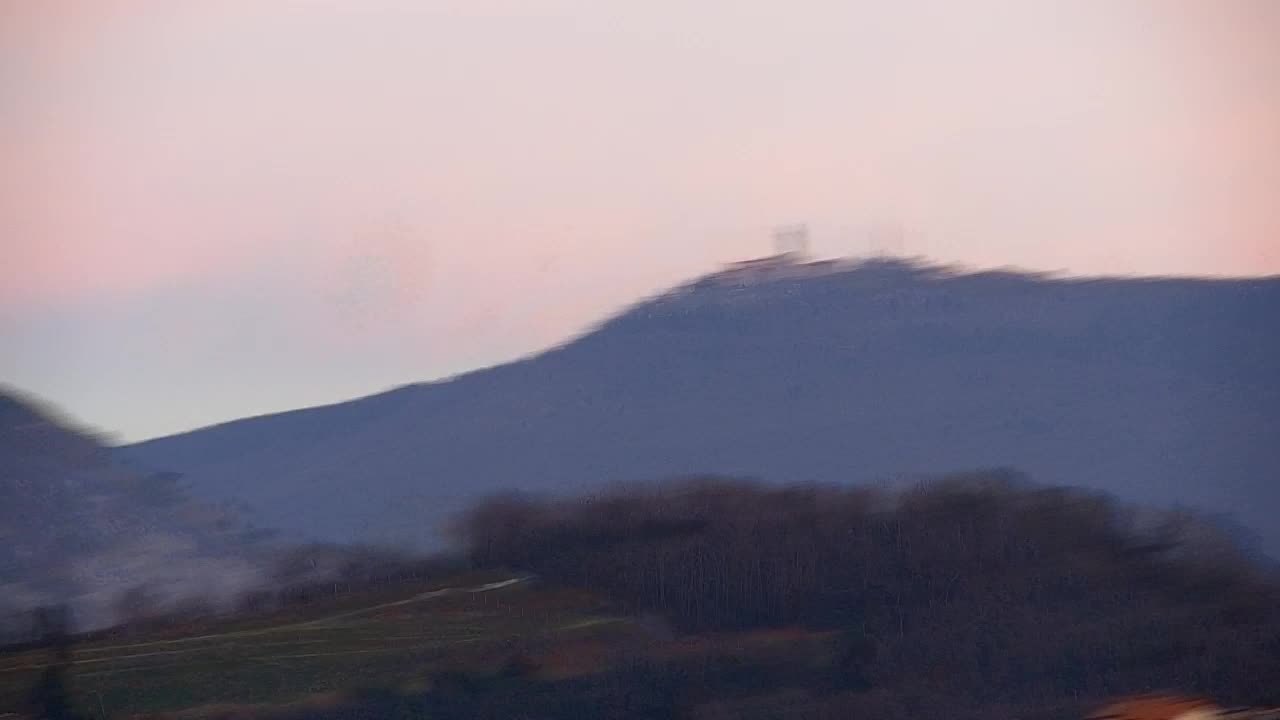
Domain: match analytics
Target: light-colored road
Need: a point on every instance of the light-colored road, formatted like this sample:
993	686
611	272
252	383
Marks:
330	622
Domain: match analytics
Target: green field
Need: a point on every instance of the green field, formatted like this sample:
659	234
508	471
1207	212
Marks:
394	638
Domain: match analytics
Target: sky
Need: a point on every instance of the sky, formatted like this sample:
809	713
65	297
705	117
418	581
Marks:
219	208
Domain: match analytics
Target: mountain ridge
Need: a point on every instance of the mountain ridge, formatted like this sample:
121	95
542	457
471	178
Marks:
76	528
792	371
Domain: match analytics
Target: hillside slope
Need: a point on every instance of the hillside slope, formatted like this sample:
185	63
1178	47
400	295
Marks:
1161	390
76	528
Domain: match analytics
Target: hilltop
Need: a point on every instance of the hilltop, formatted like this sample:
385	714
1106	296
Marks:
1162	391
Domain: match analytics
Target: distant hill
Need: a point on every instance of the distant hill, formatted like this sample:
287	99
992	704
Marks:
76	528
1161	390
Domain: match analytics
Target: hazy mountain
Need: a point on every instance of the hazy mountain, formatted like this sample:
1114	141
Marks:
75	527
1162	390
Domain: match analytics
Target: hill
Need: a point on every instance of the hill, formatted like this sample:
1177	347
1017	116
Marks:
76	528
1160	390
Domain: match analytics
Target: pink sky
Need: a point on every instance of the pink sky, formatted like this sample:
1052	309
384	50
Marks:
456	182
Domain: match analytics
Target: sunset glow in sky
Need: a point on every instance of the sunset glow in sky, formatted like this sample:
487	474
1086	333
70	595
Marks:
216	208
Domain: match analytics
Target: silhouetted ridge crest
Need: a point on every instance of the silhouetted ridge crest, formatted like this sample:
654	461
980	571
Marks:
1158	390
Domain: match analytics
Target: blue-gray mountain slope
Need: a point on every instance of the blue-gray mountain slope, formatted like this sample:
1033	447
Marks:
75	528
1160	390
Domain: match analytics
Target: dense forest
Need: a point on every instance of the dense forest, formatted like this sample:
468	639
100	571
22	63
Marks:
979	595
948	598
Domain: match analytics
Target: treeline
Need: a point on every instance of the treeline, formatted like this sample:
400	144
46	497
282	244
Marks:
976	590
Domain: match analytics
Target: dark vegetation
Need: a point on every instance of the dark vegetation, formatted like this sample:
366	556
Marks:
954	597
255	664
980	595
971	596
